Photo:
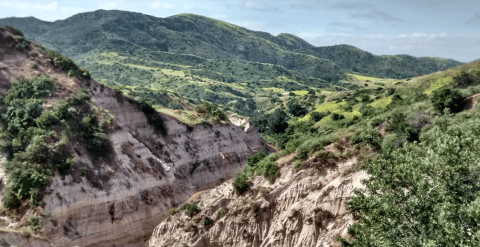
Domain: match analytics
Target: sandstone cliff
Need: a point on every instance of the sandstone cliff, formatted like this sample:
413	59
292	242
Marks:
125	195
300	209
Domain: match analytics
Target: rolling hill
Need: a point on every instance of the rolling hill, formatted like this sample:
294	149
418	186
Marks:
200	58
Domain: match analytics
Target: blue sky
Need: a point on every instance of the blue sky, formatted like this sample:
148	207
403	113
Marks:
440	28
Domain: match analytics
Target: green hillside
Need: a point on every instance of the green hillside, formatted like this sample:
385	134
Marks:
418	139
199	58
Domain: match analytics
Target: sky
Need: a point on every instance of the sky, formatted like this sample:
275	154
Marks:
435	28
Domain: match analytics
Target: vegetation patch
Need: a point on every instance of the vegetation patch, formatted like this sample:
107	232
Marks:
381	103
438	83
37	141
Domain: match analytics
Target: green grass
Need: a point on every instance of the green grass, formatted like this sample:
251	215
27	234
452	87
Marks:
331	107
301	92
438	83
381	103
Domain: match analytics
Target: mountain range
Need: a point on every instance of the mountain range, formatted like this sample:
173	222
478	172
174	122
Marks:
199	58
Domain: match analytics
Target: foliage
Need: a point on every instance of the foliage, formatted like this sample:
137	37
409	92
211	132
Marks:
432	201
296	109
368	136
240	183
191	209
34	145
317	116
466	79
211	110
274	123
35	223
335	116
254	159
447	98
207	221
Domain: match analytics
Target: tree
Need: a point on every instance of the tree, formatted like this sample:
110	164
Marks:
335	116
296	109
317	116
447	98
277	122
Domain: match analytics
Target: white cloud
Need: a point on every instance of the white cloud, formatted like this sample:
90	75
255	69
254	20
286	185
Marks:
421	35
161	5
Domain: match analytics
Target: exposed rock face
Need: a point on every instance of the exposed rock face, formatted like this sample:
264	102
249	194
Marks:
16	239
304	208
126	194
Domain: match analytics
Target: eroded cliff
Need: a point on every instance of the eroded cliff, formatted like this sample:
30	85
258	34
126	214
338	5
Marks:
301	208
125	194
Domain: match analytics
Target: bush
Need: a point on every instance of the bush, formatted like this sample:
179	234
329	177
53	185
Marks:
240	183
211	110
466	79
37	87
446	98
368	136
60	60
317	116
296	110
35	223
254	159
298	165
423	194
191	209
207	222
335	116
277	122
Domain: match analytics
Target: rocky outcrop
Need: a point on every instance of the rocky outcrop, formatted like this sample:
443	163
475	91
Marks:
124	195
304	208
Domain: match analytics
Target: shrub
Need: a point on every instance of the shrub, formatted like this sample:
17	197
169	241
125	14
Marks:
191	209
60	60
432	200
296	109
298	165
368	136
211	110
277	122
335	116
240	183
376	122
446	98
466	79
317	116
207	222
254	159
35	223
37	87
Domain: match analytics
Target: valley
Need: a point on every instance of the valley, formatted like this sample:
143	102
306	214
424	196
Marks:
189	131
